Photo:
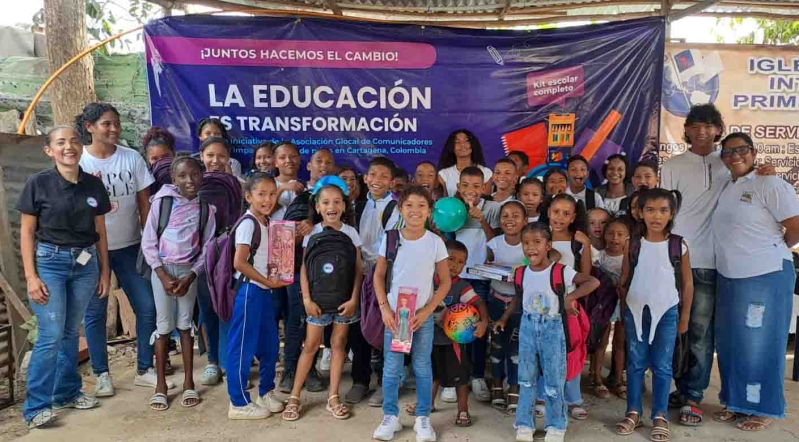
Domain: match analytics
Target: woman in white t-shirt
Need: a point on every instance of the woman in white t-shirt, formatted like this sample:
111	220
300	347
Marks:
127	180
461	150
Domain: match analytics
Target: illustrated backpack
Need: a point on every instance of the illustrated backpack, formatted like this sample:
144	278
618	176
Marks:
371	319
384	218
162	172
558	285
224	192
142	268
330	261
681	354
219	267
298	211
599	307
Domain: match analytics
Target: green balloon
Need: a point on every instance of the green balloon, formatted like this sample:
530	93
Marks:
450	214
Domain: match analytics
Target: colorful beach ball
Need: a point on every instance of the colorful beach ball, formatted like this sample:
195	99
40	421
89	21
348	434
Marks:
460	322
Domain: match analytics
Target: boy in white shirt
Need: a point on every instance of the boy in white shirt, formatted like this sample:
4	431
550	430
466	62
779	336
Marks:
578	172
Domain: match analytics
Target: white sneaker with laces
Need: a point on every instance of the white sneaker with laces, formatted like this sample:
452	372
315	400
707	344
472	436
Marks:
480	390
554	435
525	434
449	395
424	430
150	379
82	402
270	402
386	430
324	362
104	386
247	412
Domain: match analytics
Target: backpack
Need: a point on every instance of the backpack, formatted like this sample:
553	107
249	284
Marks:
590	199
558	285
298	211
162	172
386	216
330	266
371	318
599	307
223	191
219	267
142	268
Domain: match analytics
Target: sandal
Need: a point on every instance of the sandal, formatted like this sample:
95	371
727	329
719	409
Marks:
190	398
513	403
292	411
158	402
578	412
498	398
601	391
627	426
724	416
463	419
660	433
754	423
540	410
411	409
339	411
621	391
212	375
691	416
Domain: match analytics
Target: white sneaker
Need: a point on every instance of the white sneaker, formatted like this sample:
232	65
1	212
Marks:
104	387
387	428
270	402
449	395
554	435
150	379
324	362
247	412
424	430
480	390
82	402
525	434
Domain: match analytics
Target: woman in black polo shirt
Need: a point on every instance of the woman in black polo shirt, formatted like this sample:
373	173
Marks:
65	256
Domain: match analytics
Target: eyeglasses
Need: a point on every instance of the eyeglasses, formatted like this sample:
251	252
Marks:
740	150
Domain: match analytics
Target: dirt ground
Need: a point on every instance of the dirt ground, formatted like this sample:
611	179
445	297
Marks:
126	417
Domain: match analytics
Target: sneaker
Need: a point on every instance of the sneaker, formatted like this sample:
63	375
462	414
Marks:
212	375
324	362
424	430
314	383
449	395
150	379
356	394
376	399
45	418
247	412
82	402
286	382
387	428
103	386
554	435
525	434
480	390
270	402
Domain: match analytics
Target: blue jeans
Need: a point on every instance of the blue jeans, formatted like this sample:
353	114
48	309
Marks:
214	328
294	332
752	319
252	334
504	345
393	367
140	294
641	355
571	391
700	337
480	345
53	376
542	347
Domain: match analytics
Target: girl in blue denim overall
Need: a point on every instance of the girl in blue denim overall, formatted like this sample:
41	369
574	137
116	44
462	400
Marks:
542	340
650	302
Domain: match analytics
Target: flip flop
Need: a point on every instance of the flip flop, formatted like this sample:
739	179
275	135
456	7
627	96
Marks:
601	391
189	395
724	416
756	423
578	412
158	402
463	419
688	412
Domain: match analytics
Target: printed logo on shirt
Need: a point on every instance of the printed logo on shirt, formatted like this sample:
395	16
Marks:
746	197
91	202
327	268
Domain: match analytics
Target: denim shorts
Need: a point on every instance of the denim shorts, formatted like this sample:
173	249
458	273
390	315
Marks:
326	319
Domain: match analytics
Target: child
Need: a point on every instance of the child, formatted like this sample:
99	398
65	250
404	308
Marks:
176	253
215	154
461	150
645	174
213	127
531	194
253	331
555	182
332	204
578	171
158	143
400	182
541	337
597	219
522	162
617	187
421	256
425	176
652	319
505	181
287	162
478	230
354	182
263	158
507	250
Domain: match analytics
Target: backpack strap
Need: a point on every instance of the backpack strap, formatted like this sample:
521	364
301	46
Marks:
164	214
558	284
392	248
635	250
577	249
255	242
204	213
387	212
359	208
518	280
675	258
590	199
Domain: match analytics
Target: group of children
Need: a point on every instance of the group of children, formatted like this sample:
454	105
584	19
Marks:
533	332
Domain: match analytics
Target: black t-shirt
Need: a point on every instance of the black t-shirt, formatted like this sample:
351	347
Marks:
65	210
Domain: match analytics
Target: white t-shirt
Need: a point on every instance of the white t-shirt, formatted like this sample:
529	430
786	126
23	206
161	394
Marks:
235	167
566	255
532	219
371	226
508	255
124	175
510	198
700	180
474	238
349	230
539	299
415	266
610	264
613	205
261	258
653	284
598	202
746	226
451	176
285	199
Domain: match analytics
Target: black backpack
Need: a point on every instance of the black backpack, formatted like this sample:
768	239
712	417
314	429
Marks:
590	199
330	266
387	212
